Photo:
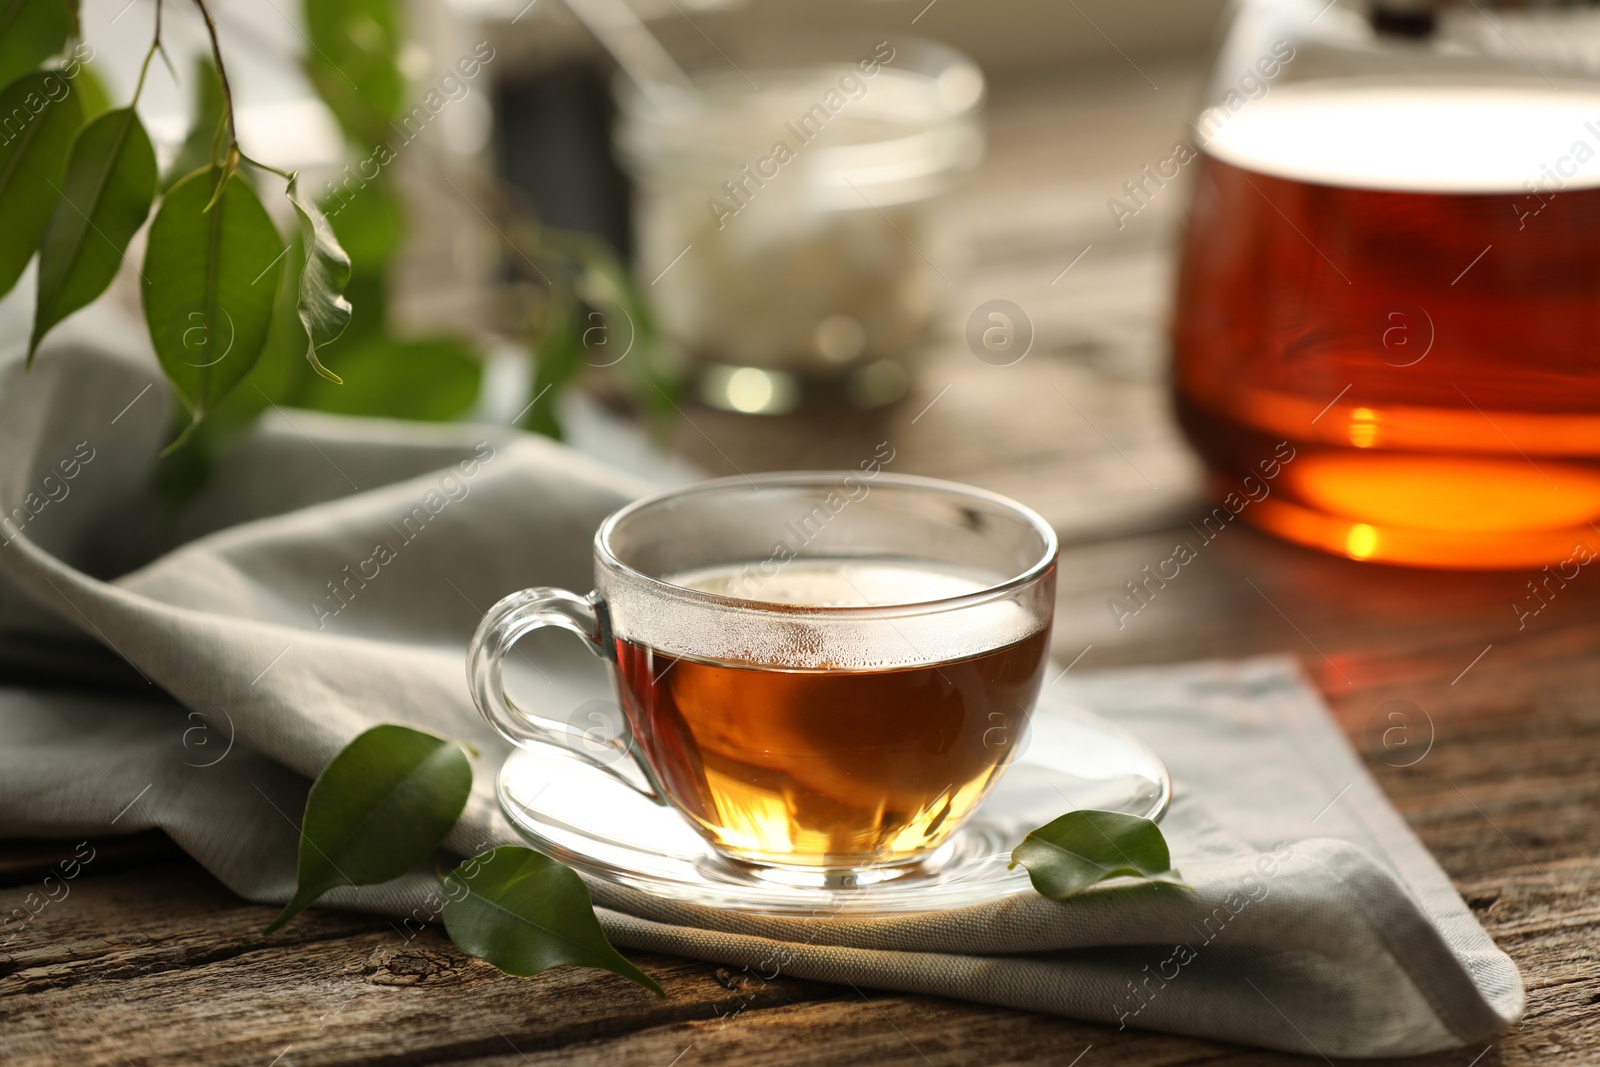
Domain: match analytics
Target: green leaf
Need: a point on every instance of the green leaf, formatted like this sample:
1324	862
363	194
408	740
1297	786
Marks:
558	359
651	372
1072	853
33	159
282	373
369	220
369	317
90	88
379	809
322	307
105	197
278	376
210	108
353	63
32	31
431	379
526	913
209	282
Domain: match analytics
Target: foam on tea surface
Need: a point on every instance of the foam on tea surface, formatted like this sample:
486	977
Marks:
1423	138
827	583
776	622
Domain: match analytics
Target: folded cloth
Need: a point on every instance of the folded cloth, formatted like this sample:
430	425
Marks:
195	675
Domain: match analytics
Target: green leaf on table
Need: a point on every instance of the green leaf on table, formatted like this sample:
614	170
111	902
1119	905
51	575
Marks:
323	309
427	379
32	31
1074	852
105	197
379	809
526	913
199	148
33	159
353	63
209	282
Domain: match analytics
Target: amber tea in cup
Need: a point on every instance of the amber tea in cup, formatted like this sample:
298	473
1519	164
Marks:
821	672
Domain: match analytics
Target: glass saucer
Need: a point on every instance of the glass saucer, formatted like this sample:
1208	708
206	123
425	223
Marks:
1071	759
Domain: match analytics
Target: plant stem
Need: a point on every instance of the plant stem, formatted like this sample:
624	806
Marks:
286	175
232	157
155	46
235	153
230	160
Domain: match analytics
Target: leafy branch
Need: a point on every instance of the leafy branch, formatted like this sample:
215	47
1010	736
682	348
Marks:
80	181
211	244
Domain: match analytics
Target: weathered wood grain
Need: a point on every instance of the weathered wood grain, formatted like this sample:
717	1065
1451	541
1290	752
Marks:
188	977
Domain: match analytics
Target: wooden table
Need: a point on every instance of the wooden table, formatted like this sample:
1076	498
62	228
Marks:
149	961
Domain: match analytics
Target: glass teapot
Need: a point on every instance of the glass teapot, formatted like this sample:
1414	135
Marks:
1386	339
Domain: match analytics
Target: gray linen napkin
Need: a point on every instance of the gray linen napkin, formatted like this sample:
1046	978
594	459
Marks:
1319	923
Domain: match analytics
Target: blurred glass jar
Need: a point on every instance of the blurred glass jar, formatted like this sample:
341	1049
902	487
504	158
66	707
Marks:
1387	331
799	237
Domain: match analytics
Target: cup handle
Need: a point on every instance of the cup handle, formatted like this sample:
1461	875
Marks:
507	623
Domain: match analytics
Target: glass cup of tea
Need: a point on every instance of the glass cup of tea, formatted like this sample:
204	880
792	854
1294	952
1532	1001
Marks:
822	672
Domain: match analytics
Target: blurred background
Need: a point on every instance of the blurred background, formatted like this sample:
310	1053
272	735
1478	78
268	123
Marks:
1070	102
1124	261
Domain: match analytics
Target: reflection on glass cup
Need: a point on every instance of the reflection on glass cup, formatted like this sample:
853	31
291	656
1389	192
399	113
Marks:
802	232
823	672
